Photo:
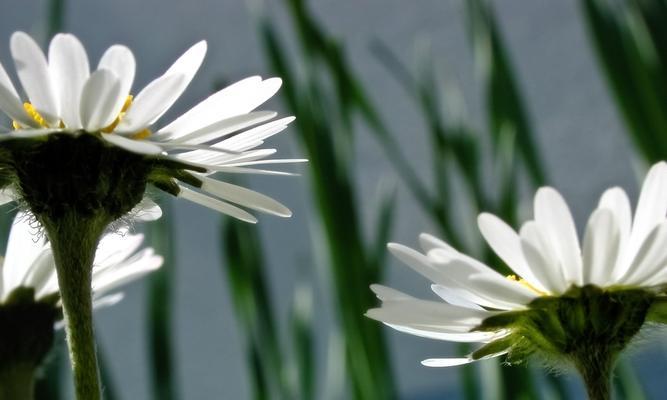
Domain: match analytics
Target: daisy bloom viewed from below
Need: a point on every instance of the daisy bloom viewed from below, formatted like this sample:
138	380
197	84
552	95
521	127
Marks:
567	302
30	302
84	149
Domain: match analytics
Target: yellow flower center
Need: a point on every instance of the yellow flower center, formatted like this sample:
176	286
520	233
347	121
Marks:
525	283
39	119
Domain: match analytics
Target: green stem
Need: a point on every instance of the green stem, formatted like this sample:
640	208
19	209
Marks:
595	366
17	382
74	241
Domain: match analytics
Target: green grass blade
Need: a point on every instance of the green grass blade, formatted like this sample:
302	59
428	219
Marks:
244	266
48	383
160	309
303	341
504	101
56	17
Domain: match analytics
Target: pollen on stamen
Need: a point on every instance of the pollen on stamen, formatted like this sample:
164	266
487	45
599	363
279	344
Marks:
121	114
34	114
141	135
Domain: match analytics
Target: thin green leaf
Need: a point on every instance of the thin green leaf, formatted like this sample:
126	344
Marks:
160	289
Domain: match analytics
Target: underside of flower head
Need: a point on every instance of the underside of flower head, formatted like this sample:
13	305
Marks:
565	302
89	118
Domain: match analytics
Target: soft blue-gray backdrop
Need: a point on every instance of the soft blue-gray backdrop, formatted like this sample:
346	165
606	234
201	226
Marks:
579	133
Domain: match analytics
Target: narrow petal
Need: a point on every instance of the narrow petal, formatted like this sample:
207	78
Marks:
553	214
216	205
446	362
650	259
540	256
141	264
160	100
120	60
506	243
151	102
23	248
68	65
101	100
33	71
10	103
225	127
236	99
616	201
135	146
386	293
651	207
601	245
146	210
245	197
440	334
453	296
456	272
429	242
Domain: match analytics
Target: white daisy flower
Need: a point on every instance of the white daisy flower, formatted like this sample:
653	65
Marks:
579	303
29	264
220	134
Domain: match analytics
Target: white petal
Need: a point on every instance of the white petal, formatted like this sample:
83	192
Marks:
617	202
651	207
185	68
241	170
23	247
188	64
455	272
506	289
439	334
33	72
101	100
107	301
245	197
216	205
151	102
68	65
453	296
238	98
141	264
146	210
225	127
386	293
446	362
42	268
541	257
601	245
553	214
10	103
506	243
650	259
135	146
430	242
120	60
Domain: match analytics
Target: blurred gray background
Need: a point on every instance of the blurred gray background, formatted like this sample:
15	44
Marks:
578	129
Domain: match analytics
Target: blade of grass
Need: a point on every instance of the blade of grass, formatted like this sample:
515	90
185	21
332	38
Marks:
303	341
504	102
244	267
323	130
160	289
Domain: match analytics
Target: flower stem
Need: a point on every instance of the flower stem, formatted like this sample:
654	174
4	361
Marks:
17	382
74	241
595	366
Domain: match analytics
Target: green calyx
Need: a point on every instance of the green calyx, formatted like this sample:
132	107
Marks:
26	329
80	173
580	322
